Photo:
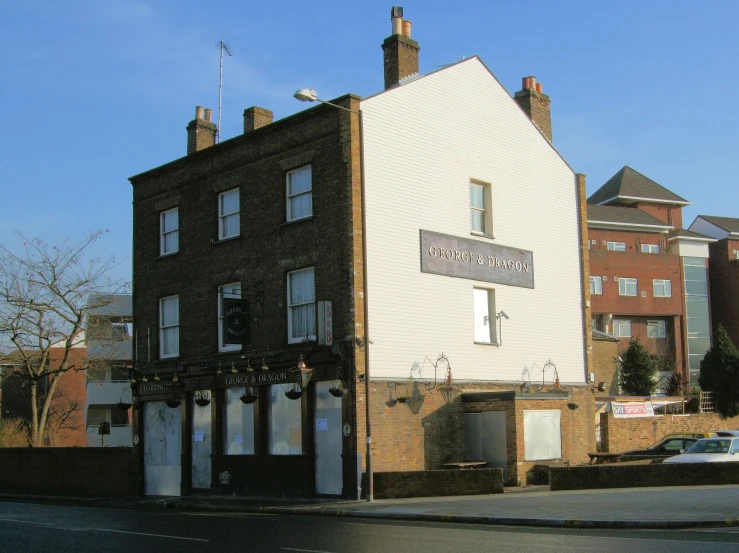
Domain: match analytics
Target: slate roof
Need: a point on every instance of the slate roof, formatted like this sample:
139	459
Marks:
729	224
622	216
683	233
629	184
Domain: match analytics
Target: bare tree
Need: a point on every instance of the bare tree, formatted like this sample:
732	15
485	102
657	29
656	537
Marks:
43	308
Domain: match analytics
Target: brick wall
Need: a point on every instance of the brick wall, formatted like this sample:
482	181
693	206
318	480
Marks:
392	485
624	434
638	476
402	441
605	365
77	472
267	247
723	275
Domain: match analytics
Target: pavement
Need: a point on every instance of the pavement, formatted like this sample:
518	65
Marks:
667	507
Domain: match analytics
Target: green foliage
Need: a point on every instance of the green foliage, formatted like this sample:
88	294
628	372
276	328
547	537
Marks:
720	374
637	375
677	384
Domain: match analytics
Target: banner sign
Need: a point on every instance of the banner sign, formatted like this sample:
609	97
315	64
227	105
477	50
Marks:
631	410
459	257
235	321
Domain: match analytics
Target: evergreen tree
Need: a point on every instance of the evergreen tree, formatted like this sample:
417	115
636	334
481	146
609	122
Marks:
637	375
720	374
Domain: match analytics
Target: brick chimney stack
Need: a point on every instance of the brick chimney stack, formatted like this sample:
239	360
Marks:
201	131
400	51
256	118
535	104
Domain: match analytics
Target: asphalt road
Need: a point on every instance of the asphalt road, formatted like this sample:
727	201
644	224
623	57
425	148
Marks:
32	528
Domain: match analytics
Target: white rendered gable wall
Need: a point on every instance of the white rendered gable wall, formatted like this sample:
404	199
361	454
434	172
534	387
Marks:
423	142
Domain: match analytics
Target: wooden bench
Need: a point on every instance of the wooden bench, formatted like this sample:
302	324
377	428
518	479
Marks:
602	458
466	465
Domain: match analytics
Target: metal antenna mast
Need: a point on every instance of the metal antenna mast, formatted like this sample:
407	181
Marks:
223	46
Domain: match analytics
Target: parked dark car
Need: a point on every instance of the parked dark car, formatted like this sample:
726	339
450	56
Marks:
667	447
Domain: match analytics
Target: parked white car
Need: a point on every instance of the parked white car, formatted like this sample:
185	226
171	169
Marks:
709	450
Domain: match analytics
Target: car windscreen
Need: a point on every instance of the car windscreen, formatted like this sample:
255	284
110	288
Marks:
710	446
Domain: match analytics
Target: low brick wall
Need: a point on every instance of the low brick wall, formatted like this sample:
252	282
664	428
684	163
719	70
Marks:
624	434
432	483
642	475
70	471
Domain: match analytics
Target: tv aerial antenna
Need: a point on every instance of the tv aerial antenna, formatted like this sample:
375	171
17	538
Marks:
223	47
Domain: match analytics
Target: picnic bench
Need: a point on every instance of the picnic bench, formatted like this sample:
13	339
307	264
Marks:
602	458
466	465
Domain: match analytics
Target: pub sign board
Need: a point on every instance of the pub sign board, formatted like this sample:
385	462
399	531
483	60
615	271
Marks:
235	321
454	256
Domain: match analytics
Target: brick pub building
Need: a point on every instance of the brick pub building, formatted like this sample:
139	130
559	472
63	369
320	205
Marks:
249	263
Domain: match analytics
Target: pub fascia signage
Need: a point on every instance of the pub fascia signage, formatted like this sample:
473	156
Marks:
454	256
235	321
154	387
257	378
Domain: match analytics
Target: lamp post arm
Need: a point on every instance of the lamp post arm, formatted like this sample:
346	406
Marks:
357	112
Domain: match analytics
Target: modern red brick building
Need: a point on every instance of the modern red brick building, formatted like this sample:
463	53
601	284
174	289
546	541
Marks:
648	276
724	270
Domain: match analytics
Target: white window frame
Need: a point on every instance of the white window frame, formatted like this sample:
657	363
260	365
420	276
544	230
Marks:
291	339
172	327
290	196
661	288
230	290
165	233
596	286
624	285
484	316
618	327
222	215
650	248
661	329
616	246
486	209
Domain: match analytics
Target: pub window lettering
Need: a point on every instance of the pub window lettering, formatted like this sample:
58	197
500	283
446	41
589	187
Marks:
232	290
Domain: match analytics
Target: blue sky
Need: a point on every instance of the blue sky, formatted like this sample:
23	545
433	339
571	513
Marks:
93	92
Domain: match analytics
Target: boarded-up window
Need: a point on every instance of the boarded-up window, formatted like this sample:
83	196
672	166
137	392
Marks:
541	435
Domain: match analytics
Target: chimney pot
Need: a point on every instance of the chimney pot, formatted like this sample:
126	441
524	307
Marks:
407	28
524	83
532	82
400	52
208	114
201	133
538	87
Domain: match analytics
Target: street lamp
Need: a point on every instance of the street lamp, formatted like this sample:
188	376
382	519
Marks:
310	95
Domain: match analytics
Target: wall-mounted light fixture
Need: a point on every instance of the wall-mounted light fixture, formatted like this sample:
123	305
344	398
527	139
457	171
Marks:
302	375
500	315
